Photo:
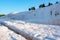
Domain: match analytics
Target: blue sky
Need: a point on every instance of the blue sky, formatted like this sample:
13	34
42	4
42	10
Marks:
7	6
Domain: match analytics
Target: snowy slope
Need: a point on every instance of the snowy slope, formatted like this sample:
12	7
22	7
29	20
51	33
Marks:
40	15
32	25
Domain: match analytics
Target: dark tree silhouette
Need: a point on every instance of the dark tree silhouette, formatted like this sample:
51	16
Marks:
50	4
29	9
32	8
57	2
42	5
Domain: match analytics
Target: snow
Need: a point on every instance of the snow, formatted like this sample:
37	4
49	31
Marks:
40	15
6	34
31	25
36	31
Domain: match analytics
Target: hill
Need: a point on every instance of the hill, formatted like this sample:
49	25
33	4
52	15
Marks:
39	24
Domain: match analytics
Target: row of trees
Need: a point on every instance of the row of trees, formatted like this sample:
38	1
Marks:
2	15
41	6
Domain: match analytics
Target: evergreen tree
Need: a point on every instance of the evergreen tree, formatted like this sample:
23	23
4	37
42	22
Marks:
29	9
32	8
42	5
50	4
57	2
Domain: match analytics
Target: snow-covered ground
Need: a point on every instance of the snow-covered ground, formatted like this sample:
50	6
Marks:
6	34
36	31
32	25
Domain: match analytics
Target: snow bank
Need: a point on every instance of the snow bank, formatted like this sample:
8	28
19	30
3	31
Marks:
35	31
6	34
